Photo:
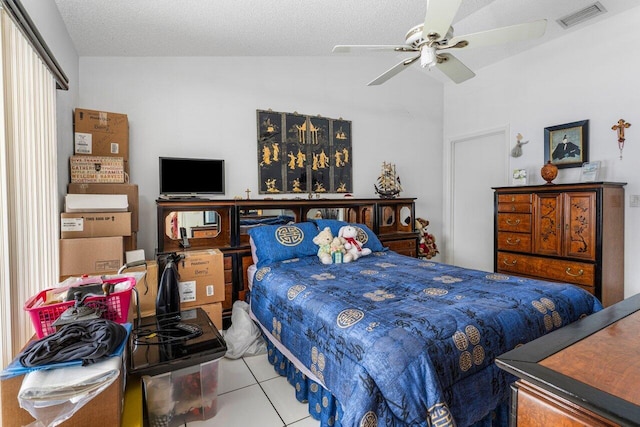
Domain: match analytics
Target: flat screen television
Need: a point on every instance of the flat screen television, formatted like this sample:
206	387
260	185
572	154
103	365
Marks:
182	176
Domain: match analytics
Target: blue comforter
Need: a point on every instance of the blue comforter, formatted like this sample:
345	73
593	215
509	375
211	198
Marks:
401	341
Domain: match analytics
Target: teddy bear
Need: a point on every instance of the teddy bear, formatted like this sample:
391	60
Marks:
427	246
324	239
354	247
338	251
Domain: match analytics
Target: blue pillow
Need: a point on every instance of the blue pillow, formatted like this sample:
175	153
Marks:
280	242
365	235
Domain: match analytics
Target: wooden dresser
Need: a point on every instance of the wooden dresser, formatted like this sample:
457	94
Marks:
585	374
570	233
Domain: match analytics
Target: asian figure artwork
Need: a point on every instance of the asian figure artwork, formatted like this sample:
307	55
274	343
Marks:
303	154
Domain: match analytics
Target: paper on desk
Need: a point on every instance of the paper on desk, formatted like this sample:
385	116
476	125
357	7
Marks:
52	396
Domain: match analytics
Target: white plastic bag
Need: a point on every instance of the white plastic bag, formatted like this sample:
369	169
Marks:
243	338
52	396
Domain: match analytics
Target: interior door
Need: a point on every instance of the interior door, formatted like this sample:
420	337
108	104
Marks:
478	163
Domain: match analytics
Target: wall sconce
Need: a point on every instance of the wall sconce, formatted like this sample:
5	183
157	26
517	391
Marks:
620	127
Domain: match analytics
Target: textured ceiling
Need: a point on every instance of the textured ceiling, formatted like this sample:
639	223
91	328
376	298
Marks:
293	27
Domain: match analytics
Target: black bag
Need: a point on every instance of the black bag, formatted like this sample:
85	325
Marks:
168	300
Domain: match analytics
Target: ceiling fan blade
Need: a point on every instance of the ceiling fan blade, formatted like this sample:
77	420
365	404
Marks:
372	48
440	14
513	33
454	69
393	71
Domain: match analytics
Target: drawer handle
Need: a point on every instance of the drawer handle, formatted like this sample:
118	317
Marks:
509	222
504	261
580	272
513	199
510	242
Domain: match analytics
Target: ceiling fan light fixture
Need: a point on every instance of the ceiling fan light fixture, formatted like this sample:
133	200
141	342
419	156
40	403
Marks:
431	47
428	57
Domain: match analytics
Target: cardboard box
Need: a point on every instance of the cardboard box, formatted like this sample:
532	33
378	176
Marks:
105	407
95	203
97	169
201	278
130	243
106	224
131	191
147	289
214	311
94	255
99	133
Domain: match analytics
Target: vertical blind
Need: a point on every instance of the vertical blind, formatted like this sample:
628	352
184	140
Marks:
28	184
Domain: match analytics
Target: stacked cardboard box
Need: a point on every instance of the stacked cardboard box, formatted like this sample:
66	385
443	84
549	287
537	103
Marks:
99	133
202	282
97	169
130	190
93	241
147	289
107	407
92	229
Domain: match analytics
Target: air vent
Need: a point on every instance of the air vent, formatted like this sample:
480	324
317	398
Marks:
581	15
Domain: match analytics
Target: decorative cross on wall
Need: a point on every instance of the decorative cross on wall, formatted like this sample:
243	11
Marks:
620	127
247	191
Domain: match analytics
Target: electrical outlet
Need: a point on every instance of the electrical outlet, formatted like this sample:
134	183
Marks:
634	201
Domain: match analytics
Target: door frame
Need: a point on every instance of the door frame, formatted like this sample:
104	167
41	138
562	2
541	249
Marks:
449	180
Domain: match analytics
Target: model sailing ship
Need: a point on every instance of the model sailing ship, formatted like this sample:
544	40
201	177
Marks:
388	182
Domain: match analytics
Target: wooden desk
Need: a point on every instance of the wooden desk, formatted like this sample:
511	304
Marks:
586	373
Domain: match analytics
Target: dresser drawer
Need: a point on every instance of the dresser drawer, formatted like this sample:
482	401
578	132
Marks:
514	207
514	198
520	242
199	234
515	222
404	247
228	263
579	273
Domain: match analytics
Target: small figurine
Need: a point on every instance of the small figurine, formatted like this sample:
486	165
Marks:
517	150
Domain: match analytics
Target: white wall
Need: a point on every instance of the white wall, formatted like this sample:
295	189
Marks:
588	74
206	107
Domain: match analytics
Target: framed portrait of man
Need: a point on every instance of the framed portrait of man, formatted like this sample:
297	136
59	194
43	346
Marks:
567	145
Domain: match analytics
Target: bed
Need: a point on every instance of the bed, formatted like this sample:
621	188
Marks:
390	340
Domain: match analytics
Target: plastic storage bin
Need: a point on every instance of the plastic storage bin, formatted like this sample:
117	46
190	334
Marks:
115	306
183	396
179	369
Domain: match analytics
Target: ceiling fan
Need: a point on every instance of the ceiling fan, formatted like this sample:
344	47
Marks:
434	38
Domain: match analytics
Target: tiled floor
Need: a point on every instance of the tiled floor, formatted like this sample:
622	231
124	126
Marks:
252	394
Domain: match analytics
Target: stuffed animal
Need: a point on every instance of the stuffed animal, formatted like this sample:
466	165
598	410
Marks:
427	247
353	246
338	251
324	239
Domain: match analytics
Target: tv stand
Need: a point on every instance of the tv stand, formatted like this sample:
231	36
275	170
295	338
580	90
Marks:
181	198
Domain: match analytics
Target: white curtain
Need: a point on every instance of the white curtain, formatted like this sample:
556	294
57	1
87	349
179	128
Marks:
28	185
